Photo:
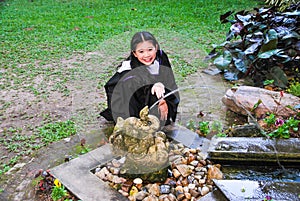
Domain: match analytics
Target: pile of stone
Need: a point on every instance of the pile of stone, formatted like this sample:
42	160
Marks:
189	178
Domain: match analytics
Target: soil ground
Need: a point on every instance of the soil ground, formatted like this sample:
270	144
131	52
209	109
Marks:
200	94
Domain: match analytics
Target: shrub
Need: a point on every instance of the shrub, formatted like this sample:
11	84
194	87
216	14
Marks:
266	46
281	4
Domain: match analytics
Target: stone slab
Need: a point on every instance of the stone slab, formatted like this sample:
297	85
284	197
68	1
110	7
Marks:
230	149
215	195
77	177
237	190
188	138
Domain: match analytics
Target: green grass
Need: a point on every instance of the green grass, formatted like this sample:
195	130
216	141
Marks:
20	145
49	30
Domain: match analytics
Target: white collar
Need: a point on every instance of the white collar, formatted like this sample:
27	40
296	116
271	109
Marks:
125	66
153	68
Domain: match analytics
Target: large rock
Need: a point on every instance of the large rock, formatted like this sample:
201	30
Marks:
243	99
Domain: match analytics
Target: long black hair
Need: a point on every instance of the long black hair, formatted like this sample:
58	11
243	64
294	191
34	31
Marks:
143	36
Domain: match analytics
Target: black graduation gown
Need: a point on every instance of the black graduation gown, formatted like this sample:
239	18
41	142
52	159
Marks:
130	91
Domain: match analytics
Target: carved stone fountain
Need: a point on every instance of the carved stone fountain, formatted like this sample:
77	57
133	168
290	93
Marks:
144	147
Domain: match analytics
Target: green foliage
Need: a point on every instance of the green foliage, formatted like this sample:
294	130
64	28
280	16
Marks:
268	82
284	130
191	125
256	104
4	168
58	192
294	88
204	127
20	145
56	131
265	46
270	120
221	135
281	4
216	126
280	128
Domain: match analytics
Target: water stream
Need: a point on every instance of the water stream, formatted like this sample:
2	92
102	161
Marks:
175	91
262	173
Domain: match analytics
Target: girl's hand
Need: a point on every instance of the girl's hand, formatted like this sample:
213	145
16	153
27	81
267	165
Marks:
163	109
158	89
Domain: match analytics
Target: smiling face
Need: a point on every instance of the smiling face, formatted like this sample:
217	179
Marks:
145	52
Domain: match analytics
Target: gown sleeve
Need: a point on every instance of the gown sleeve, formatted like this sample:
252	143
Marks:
109	89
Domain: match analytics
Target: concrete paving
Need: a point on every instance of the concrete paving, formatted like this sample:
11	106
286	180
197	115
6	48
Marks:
256	149
76	176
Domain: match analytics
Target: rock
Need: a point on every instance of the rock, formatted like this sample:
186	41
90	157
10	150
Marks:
173	158
151	198
172	197
102	174
203	162
246	130
204	190
125	194
201	169
184	182
170	182
137	181
194	163
187	196
131	198
163	198
244	98
184	170
22	186
126	186
141	195
201	181
180	197
179	189
154	189
114	170
165	189
191	178
195	193
214	173
176	173
116	163
180	160
118	180
191	186
193	151
15	168
185	189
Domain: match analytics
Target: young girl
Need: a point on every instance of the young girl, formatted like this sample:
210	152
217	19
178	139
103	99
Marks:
142	80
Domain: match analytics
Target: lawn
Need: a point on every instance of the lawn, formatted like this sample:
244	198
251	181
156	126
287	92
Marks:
49	30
